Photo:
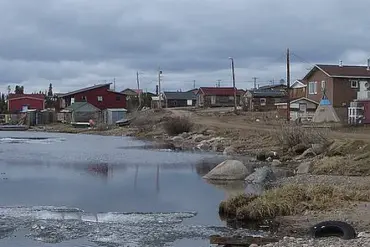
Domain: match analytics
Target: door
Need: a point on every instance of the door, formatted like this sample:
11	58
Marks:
213	100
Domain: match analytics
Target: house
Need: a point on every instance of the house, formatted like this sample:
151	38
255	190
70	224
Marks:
194	90
297	90
179	99
281	87
263	100
100	96
217	96
80	112
302	108
340	82
132	92
23	102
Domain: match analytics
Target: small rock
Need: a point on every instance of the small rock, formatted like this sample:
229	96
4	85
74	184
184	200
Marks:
363	235
229	151
318	148
309	153
178	139
275	163
304	167
210	132
253	245
261	176
273	155
185	135
199	138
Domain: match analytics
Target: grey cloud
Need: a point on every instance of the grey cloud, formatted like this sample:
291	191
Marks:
81	41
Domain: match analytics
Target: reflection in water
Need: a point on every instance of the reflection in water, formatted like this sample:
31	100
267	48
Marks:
231	188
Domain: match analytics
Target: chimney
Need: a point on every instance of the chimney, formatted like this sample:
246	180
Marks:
340	63
368	64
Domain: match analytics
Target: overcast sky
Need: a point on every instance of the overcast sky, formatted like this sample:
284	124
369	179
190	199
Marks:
77	43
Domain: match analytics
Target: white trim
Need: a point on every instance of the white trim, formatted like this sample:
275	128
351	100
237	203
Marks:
26	97
307	99
353	77
322	71
298	84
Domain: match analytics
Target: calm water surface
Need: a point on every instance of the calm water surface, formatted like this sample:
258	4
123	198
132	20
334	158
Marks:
85	190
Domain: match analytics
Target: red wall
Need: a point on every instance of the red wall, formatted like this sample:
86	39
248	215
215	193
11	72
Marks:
109	98
16	104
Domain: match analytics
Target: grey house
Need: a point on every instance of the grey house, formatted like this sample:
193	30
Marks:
179	99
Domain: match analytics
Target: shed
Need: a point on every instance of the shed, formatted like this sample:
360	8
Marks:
83	112
264	100
111	116
179	99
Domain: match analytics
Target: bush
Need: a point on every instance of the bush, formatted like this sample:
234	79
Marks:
178	125
290	200
289	136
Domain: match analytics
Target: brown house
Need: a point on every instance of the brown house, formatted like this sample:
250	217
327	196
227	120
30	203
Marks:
297	90
264	100
341	84
217	96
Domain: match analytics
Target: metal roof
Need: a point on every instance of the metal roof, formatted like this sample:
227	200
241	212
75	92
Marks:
86	89
180	95
268	93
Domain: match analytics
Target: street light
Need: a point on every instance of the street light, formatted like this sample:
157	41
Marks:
233	73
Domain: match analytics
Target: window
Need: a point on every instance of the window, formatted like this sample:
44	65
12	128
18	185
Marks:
354	83
118	98
262	101
83	98
100	98
312	87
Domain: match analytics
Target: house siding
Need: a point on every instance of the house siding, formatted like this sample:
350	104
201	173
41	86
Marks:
110	99
343	92
296	93
15	105
318	76
220	101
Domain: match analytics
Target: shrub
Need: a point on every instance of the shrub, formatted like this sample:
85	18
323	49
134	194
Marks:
289	136
290	200
177	125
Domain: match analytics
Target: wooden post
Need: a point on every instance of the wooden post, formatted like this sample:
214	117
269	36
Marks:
288	84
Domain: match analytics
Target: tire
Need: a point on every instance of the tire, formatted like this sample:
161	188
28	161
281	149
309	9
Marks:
333	229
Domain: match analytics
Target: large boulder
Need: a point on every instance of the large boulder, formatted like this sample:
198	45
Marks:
254	189
228	170
261	175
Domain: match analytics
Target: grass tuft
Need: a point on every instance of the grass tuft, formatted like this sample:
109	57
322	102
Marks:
290	200
177	125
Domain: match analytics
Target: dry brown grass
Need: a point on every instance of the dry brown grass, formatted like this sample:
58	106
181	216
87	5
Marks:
178	125
290	200
289	136
344	157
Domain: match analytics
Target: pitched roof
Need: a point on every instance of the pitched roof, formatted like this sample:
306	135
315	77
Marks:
180	95
30	96
220	91
267	93
82	107
272	86
352	71
85	89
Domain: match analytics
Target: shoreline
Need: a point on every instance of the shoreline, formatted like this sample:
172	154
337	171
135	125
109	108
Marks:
220	135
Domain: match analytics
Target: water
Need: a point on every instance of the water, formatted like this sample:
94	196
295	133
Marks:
86	190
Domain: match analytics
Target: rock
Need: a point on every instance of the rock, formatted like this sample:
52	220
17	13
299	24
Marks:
209	132
261	176
272	155
300	148
254	189
276	163
282	173
304	167
261	156
204	146
229	151
228	170
309	153
253	245
185	135
318	148
199	138
363	235
178	139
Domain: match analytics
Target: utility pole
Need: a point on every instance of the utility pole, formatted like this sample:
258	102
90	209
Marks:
114	84
194	84
138	88
233	73
255	82
159	87
218	83
288	84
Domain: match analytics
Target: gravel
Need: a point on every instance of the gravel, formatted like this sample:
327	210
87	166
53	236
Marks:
362	241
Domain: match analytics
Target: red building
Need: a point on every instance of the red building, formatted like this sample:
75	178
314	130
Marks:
100	96
24	102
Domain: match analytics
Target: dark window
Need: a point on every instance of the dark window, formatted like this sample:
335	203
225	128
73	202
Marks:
84	98
118	98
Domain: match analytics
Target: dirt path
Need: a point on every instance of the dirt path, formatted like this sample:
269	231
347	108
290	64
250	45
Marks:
236	122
